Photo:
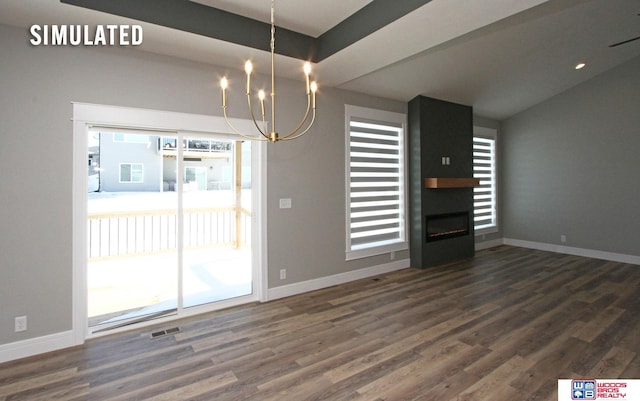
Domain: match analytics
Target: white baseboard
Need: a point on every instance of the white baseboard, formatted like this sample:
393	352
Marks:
325	282
38	345
53	342
589	253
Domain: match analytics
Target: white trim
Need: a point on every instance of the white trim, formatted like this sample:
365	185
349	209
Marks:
377	250
382	117
588	253
79	233
329	281
146	119
568	250
38	345
260	239
491	134
86	116
185	313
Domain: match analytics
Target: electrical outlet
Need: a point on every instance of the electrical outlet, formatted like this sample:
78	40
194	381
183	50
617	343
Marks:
392	256
20	323
563	238
283	274
285	203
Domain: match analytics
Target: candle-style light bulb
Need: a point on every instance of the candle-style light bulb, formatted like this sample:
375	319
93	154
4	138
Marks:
272	134
224	84
248	68
314	89
307	71
261	96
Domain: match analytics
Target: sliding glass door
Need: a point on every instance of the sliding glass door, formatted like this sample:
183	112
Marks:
169	220
216	213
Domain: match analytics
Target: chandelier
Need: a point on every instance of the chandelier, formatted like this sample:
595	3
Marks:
264	133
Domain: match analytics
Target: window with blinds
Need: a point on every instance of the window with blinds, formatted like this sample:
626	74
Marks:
375	182
484	196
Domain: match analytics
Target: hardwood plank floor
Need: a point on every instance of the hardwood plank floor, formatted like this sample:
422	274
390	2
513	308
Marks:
502	326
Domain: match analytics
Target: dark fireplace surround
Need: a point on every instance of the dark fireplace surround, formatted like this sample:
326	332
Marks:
442	216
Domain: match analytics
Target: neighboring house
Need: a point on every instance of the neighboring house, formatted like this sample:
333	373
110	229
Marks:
123	162
129	162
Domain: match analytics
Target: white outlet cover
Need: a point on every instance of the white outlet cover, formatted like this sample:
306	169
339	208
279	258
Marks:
285	203
20	324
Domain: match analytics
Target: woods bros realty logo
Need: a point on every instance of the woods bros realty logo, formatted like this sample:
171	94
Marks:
85	35
598	389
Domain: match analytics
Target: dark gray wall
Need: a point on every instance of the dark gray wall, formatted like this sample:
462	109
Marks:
439	129
571	166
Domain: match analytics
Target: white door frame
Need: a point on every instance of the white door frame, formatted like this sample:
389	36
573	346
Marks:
86	116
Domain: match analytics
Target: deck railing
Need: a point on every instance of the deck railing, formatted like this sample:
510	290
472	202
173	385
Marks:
124	234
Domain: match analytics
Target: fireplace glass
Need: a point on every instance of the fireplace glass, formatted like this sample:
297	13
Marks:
448	225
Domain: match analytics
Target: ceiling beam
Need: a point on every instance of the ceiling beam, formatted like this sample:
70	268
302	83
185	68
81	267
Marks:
364	22
208	21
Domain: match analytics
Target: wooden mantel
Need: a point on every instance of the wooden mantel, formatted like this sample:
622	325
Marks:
451	182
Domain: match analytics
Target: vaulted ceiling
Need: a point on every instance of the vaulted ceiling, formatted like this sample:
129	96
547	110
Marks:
499	56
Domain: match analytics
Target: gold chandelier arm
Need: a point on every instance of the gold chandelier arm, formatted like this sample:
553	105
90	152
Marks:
253	118
264	124
234	129
265	133
289	137
304	118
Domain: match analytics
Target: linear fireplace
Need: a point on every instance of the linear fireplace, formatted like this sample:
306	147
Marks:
449	225
440	131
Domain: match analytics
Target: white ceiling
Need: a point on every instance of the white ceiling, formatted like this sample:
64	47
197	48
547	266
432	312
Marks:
499	56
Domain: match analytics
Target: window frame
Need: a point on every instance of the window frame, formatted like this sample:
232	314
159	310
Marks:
398	120
131	181
488	134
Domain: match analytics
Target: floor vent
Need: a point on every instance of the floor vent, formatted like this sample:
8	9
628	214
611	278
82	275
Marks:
165	332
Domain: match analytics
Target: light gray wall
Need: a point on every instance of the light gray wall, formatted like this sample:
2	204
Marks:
309	239
38	85
571	166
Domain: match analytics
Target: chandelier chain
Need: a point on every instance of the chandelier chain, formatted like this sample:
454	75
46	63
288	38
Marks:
273	26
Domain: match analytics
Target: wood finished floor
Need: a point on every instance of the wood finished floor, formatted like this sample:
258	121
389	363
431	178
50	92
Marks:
503	326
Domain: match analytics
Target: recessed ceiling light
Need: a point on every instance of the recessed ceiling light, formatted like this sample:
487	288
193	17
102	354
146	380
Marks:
580	66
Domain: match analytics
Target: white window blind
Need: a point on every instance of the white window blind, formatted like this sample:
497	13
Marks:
375	183
484	196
